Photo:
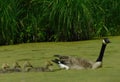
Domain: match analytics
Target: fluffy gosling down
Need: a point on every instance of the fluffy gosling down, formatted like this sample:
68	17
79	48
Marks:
29	68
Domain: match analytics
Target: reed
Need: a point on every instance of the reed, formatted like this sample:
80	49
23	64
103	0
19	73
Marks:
57	20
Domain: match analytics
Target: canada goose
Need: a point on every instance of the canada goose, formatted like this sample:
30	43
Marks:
5	67
80	63
45	68
16	67
27	66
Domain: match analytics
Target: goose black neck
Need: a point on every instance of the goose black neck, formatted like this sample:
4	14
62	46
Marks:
100	57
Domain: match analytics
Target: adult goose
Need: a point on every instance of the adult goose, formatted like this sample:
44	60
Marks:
80	63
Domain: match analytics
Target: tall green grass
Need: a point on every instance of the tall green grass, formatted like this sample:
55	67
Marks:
57	20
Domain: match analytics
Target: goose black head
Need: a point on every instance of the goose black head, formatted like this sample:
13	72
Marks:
106	41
